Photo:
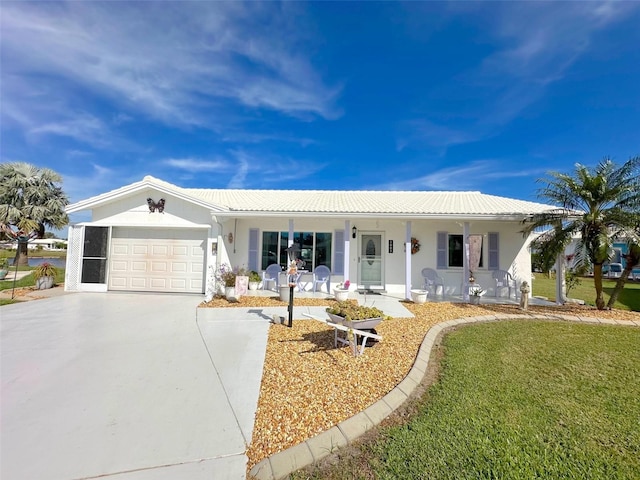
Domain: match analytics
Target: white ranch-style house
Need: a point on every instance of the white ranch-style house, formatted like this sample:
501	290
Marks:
155	236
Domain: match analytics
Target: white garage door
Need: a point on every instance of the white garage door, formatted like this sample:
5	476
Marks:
157	260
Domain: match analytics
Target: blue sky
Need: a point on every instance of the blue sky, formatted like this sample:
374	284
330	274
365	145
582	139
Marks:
327	95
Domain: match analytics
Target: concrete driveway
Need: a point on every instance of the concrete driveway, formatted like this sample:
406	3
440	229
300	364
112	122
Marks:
126	386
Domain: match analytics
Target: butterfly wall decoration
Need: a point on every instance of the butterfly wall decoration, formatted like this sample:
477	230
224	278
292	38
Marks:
153	206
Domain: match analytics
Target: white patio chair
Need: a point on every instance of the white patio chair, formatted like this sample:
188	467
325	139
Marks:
271	274
503	279
321	275
432	281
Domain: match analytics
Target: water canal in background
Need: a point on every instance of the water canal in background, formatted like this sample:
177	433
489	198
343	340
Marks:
35	261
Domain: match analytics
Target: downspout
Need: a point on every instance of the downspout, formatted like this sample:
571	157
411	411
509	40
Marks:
235	234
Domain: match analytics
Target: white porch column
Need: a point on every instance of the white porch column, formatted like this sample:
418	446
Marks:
465	262
290	240
407	262
347	253
561	298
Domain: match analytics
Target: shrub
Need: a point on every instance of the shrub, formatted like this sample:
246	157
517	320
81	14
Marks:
254	276
44	270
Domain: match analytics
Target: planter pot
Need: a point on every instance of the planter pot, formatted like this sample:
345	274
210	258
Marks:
3	274
284	293
43	283
230	293
474	299
340	295
253	285
419	296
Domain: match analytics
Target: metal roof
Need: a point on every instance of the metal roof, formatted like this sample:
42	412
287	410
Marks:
366	202
335	202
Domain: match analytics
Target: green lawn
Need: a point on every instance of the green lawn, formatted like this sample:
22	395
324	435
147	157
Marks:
27	281
629	298
517	399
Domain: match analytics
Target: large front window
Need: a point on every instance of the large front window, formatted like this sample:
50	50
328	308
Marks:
456	250
314	248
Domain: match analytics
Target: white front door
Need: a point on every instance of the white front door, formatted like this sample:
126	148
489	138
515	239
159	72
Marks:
157	260
371	263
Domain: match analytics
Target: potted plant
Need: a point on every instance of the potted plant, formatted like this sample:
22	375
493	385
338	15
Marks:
254	280
341	291
474	295
4	268
44	274
356	316
419	295
226	276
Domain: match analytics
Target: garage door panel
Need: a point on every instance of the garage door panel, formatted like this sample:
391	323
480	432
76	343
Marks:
118	282
179	267
179	284
138	249
119	266
138	282
120	250
160	250
157	260
137	266
159	267
179	250
158	283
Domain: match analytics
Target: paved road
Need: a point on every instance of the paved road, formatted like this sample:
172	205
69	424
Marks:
126	386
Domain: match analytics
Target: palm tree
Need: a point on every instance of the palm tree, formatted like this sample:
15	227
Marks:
594	204
30	200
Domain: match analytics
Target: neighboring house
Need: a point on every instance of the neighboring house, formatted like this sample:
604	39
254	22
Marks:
44	243
611	269
362	236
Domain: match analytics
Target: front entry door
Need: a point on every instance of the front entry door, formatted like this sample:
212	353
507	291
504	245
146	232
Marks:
371	262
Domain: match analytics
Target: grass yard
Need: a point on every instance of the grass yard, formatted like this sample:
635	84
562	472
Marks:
629	298
516	399
26	281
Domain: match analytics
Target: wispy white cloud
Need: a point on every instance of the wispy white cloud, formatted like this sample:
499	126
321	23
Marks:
438	136
535	44
196	165
242	168
83	127
471	176
98	179
222	55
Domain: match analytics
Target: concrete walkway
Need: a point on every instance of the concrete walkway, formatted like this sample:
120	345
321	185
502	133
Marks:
126	386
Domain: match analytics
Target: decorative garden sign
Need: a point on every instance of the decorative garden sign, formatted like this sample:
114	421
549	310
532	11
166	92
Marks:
242	282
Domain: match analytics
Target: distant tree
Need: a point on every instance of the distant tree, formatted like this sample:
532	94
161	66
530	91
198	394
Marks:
30	200
595	204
